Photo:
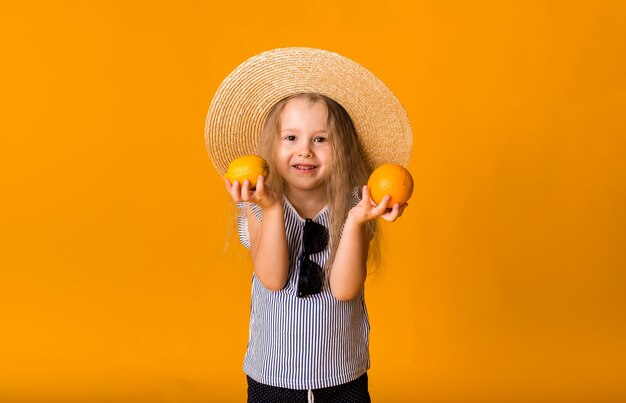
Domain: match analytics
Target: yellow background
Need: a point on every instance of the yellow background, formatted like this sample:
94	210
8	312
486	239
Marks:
505	281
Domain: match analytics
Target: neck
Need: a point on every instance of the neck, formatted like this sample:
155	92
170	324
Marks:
308	203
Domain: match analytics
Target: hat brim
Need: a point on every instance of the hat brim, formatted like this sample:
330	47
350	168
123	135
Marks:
244	99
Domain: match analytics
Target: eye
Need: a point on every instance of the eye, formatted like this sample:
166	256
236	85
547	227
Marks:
320	139
289	137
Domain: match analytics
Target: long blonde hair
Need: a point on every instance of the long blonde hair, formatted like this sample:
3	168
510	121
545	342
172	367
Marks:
348	165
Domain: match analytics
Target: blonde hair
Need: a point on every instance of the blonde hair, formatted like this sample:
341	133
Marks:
350	169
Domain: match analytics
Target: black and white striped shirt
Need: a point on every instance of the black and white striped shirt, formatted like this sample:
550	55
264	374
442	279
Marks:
303	343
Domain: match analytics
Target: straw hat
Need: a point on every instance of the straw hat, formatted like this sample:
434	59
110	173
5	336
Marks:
245	97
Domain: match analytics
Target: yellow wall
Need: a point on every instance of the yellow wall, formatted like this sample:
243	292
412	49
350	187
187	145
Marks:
505	281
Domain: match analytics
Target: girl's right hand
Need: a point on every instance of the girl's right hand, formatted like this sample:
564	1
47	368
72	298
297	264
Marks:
262	196
366	210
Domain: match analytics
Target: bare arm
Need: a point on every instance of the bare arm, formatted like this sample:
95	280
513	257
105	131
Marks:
349	270
269	248
268	239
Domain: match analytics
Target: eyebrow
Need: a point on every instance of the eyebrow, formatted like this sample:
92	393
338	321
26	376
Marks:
298	131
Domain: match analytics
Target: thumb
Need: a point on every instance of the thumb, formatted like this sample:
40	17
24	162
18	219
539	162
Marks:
365	194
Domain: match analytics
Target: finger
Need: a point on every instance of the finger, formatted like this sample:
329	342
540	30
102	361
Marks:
245	190
260	185
401	209
259	193
393	214
229	189
365	201
367	197
395	211
365	194
235	192
382	207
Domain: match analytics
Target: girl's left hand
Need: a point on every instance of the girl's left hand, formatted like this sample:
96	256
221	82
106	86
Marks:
366	210
262	195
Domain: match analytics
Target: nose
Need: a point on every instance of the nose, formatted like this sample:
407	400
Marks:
305	151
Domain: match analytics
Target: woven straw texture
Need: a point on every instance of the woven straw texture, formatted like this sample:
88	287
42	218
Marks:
244	99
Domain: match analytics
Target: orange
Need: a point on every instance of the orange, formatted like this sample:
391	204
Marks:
247	167
393	180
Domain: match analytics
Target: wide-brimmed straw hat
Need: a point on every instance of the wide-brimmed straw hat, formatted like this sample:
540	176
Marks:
245	98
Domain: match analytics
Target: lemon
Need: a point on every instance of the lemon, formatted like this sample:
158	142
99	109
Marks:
247	167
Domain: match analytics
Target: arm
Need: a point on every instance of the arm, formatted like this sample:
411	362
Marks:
349	270
268	242
268	239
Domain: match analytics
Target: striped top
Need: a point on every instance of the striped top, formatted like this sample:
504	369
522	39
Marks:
303	343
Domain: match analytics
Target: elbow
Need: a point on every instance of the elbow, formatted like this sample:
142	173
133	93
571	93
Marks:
273	284
345	295
346	289
273	287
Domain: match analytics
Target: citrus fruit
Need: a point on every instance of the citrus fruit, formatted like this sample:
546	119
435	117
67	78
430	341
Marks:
393	180
247	167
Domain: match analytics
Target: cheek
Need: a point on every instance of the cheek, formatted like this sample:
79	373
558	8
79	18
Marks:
327	157
281	155
282	160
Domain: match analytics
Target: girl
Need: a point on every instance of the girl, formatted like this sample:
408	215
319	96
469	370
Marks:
309	233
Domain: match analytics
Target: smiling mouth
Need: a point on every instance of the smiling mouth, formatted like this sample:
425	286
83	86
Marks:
304	168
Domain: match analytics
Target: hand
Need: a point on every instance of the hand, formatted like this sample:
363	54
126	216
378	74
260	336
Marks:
262	196
366	210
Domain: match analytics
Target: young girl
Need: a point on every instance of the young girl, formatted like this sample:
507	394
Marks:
308	227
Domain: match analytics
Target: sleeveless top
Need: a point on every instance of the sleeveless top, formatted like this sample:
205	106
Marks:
303	343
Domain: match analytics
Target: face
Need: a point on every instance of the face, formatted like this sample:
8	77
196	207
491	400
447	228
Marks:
303	153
